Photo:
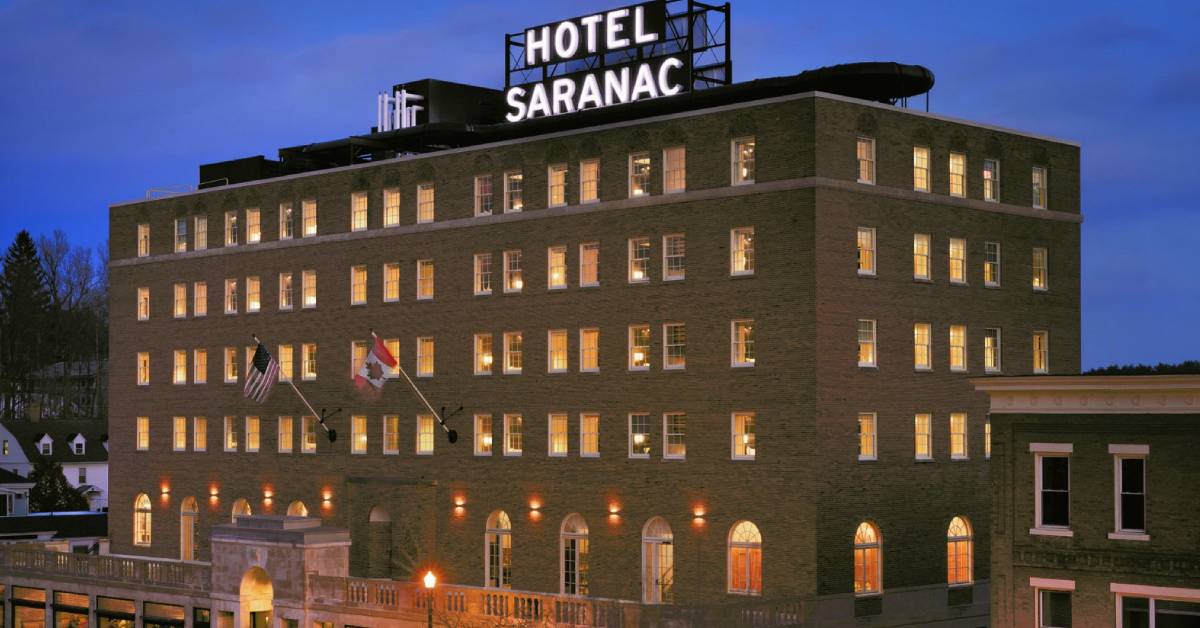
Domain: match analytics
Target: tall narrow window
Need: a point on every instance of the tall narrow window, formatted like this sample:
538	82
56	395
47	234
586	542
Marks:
867	436
921	168
639	260
987	438
991	180
958	348
309	211
232	228
426	201
231	435
589	350
674	169
142	514
358	434
284	355
923	432
514	192
252	434
742	348
308	434
253	226
497	541
744	443
1041	352
358	285
1040	278
231	296
958	436
960	554
424	434
514	434
425	356
483	354
513	353
308	361
589	264
1039	187
556	183
867	559
639	174
556	267
866	160
181	235
285	434
589	435
199	434
920	256
639	435
179	434
866	251
308	281
358	211
143	240
991	264
921	352
199	366
639	347
557	429
231	365
200	298
285	291
424	279
741	251
253	294
484	201
589	181
483	273
143	433
958	260
483	434
391	207
201	233
287	221
658	562
674	346
574	551
866	343
958	174
179	374
514	280
391	283
674	261
1054	608
991	350
1130	488
1054	489
674	436
143	369
743	161
745	559
143	304
556	351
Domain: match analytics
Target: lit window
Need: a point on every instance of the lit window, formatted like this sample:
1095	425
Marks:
142	514
309	209
741	251
483	273
921	352
958	174
483	434
231	435
199	434
867	436
231	228
297	509
143	304
179	373
923	430
425	202
639	347
556	177
960	554
589	350
744	444
920	168
483	354
497	539
674	169
308	428
424	279
253	226
231	362
358	211
284	439
284	355
143	433
143	240
513	361
745	559
393	347
358	285
958	348
589	181
199	366
866	343
639	260
741	336
391	207
743	161
1054	609
358	355
252	434
556	267
143	369
589	435
987	438
391	283
1130	489
557	429
200	298
674	262
179	434
285	291
514	194
253	294
674	436
483	195
1041	352
231	296
639	435
1039	187
425	356
920	256
201	236
674	346
574	551
514	280
514	434
991	350
958	436
867	559
958	260
991	263
991	180
287	221
1052	479
639	174
556	350
424	434
589	264
866	251
358	434
181	235
866	160
308	361
1040	265
308	282
241	508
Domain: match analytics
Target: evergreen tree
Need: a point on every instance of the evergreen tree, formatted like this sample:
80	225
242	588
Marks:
23	309
51	492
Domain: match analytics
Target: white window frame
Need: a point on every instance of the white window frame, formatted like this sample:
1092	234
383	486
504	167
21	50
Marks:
630	346
391	211
514	275
1045	268
1039	451
479	195
509	450
143	239
308	277
478	354
478	275
143	304
358	209
961	174
566	434
917	254
965	454
478	443
734	435
666	346
583	281
629	435
1041	585
583	433
994	197
873	454
994	282
928	157
748	260
873	362
871	269
583	349
1120	453
199	434
997	364
426	209
735	161
962	368
561	284
289	303
355	284
200	237
253	226
667	189
308	219
550	173
1045	336
927	347
1041	197
432	278
870	141
422	355
584	165
566	353
392	268
666	436
645	278
734	343
951	259
666	257
511	193
284	425
926	436
509	352
649	173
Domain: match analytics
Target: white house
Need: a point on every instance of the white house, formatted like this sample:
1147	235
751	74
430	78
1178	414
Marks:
79	445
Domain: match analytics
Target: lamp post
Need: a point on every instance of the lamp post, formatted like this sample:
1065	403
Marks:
430	583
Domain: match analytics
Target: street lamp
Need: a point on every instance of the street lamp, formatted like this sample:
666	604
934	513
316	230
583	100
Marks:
430	583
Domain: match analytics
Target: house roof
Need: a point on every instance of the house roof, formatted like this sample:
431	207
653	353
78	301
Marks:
61	431
8	477
64	525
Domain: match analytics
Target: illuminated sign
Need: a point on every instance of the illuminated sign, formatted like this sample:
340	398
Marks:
624	55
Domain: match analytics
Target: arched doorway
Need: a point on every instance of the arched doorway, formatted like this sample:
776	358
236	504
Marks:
189	530
241	508
658	562
379	543
297	509
257	597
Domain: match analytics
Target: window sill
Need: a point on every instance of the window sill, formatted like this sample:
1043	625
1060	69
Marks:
869	594
959	283
959	458
866	182
1051	532
1128	536
740	275
922	369
923	460
867	275
925	280
862	459
740	365
960	585
873	367
992	286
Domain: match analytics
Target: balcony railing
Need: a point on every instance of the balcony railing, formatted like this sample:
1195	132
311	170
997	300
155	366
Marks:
118	569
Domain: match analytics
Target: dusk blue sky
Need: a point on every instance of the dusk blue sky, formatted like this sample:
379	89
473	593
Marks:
101	101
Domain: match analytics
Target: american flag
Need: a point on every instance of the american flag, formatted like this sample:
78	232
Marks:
264	371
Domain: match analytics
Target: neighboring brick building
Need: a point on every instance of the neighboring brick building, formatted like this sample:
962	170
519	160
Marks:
813	280
1093	500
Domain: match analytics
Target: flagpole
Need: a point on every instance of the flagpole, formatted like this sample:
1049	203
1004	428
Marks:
425	401
320	417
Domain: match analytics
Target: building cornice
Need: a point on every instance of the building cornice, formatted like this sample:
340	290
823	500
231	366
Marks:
1093	394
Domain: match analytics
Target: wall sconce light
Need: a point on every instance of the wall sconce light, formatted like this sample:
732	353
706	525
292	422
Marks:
698	513
459	500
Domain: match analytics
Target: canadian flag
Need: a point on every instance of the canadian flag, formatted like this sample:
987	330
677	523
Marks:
375	367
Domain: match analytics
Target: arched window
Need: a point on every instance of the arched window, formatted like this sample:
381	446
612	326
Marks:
141	519
867	559
574	545
189	532
745	559
658	562
241	508
497	547
960	550
297	509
